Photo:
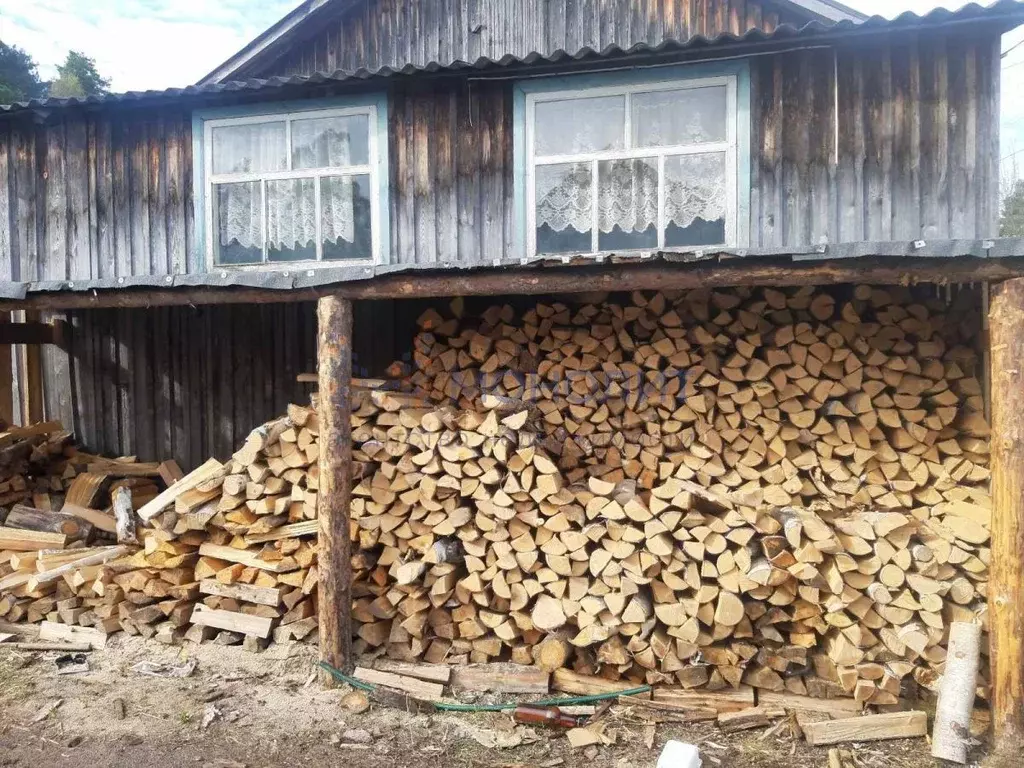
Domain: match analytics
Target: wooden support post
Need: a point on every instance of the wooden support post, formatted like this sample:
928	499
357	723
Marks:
1006	574
334	364
32	379
6	376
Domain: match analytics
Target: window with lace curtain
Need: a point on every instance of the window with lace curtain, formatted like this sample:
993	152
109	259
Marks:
294	188
638	166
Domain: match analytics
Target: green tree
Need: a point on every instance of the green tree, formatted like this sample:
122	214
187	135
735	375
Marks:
1011	219
19	78
78	76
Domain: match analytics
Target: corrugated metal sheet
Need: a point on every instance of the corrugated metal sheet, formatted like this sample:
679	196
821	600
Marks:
285	280
1009	11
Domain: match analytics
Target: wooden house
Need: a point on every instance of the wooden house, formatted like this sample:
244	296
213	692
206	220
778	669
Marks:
384	152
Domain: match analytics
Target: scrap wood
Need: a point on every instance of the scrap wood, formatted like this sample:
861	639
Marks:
893	725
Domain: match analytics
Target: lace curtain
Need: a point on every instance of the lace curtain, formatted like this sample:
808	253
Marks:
290	203
628	193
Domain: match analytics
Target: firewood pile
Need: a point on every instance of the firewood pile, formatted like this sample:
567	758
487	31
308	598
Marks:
778	489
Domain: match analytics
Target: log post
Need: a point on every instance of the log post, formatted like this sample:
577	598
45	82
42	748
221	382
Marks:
334	366
1006	581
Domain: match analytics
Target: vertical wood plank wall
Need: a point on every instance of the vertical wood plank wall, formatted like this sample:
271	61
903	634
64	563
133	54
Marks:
379	34
191	382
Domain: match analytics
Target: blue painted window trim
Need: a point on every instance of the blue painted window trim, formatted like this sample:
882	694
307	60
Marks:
201	116
740	69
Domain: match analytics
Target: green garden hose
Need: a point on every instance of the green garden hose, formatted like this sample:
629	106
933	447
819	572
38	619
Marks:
446	707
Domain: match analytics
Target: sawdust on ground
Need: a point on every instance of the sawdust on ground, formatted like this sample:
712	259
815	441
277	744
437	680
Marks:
254	710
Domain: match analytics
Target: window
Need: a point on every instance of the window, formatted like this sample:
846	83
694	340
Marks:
299	188
642	165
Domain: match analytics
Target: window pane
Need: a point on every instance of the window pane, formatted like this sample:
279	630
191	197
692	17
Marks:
627	200
331	142
684	116
345	220
565	207
695	199
250	148
291	220
239	221
573	126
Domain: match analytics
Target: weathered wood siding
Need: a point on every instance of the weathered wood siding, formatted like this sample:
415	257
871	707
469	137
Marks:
917	157
394	33
96	196
191	382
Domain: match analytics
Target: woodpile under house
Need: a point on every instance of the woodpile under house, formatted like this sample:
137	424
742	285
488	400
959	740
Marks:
655	344
777	489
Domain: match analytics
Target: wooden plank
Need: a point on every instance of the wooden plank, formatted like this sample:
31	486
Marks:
1006	571
290	531
334	362
52	631
243	623
21	540
245	557
211	469
248	592
27	333
893	725
421	689
98	518
435	673
567	681
732	700
48	577
832	707
500	678
14	434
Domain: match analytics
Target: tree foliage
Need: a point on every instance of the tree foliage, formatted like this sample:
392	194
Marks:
78	76
1011	219
19	77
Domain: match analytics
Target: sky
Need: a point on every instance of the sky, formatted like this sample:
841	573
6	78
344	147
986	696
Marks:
143	44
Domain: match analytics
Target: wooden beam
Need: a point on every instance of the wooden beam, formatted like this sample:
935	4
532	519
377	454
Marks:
532	281
334	364
29	333
1006	572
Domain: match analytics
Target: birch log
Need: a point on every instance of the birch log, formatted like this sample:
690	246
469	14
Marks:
951	733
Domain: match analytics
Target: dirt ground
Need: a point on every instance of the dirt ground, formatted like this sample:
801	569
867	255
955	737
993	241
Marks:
239	709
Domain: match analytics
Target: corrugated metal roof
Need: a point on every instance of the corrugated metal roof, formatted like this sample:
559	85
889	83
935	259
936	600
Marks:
1009	11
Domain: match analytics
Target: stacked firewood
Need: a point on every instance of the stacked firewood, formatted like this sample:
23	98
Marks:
779	488
783	489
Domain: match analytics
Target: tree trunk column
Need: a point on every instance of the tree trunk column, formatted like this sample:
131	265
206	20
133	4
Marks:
334	366
1005	588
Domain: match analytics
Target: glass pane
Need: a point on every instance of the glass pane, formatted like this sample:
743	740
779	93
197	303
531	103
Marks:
565	207
345	220
291	220
573	126
684	116
250	148
239	222
627	201
331	142
695	199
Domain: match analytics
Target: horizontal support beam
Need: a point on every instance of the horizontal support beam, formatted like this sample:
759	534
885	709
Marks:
31	333
512	281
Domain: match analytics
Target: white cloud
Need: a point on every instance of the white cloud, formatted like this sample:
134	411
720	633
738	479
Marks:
139	44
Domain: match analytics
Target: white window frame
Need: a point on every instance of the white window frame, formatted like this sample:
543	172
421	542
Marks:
729	147
372	169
